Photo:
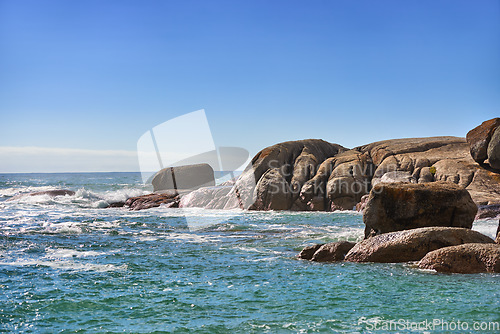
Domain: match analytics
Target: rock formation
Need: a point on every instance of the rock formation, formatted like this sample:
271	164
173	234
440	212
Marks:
411	245
317	175
402	206
464	259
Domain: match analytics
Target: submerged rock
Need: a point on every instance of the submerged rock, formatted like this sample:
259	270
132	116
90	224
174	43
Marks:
403	206
411	245
464	259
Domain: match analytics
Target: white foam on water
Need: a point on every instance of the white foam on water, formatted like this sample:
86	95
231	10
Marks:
65	227
486	226
66	265
82	197
69	253
10	192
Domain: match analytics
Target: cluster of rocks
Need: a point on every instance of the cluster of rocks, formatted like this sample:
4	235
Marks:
317	175
425	223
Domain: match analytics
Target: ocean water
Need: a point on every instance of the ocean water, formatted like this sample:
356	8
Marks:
69	265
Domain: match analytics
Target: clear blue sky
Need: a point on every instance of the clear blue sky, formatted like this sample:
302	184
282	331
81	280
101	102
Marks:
95	75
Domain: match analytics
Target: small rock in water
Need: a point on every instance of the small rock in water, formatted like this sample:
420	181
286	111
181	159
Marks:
464	259
412	245
333	252
308	252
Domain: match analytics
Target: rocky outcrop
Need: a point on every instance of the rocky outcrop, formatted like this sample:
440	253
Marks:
168	199
464	259
317	175
189	177
411	245
331	252
479	138
402	206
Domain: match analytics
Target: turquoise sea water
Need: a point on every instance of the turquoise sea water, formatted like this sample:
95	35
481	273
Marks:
69	265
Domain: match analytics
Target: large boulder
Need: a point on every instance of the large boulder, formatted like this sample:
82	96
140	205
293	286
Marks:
464	259
283	168
189	177
494	150
403	206
479	138
411	245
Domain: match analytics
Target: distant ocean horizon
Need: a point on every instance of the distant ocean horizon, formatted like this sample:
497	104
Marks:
69	264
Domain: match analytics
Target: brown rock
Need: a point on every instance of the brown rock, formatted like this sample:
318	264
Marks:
276	167
479	138
402	206
332	252
308	251
464	259
153	200
411	245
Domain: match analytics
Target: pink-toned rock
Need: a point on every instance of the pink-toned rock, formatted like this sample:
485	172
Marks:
464	259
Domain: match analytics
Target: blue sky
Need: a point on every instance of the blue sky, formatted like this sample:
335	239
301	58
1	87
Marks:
93	76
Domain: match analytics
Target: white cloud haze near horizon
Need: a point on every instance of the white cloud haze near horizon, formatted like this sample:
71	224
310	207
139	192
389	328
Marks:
34	159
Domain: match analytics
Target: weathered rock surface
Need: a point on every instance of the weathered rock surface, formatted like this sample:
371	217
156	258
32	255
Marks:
464	259
402	206
190	177
411	245
479	138
332	252
168	198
